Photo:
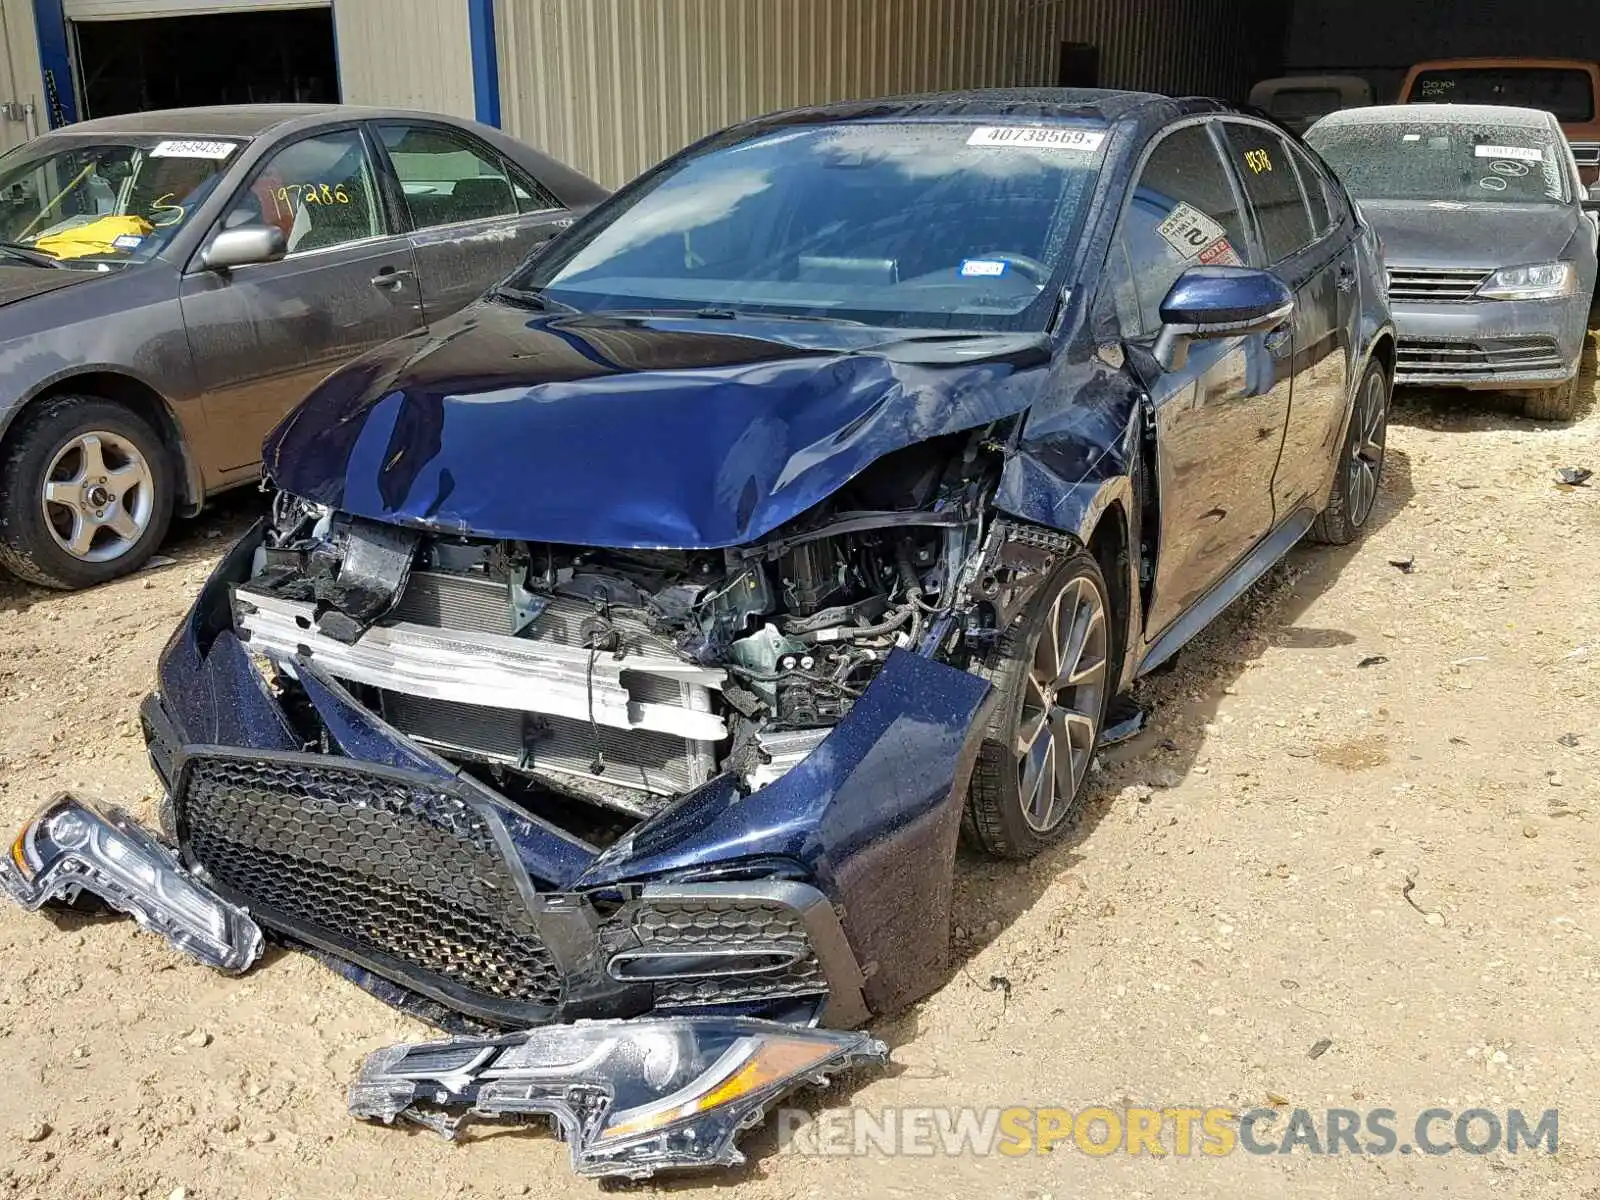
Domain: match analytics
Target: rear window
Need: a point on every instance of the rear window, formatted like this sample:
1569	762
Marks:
1566	92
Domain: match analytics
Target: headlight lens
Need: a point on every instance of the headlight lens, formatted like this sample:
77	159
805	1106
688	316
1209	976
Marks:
1542	281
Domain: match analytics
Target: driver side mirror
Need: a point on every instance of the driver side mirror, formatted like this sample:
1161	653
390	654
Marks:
1218	302
243	246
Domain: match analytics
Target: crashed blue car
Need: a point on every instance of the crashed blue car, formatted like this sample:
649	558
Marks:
638	642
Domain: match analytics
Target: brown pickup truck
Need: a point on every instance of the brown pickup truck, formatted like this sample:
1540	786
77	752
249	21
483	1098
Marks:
1569	88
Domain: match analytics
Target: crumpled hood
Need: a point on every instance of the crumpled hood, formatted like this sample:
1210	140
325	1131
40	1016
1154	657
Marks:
630	433
1419	233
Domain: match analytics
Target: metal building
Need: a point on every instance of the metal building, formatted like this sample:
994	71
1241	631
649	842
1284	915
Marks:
610	85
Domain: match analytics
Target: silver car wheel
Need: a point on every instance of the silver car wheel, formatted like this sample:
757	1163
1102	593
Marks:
1063	699
98	496
1366	449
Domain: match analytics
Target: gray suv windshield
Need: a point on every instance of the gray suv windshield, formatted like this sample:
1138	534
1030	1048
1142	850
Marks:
912	224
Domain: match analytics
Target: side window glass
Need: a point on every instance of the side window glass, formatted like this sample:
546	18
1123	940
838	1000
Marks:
1315	185
532	196
1183	214
320	191
447	177
1262	160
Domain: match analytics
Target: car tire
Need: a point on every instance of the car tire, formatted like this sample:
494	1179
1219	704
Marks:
111	482
1052	670
1360	467
1559	403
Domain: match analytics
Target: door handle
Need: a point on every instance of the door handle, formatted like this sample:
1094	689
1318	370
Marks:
390	277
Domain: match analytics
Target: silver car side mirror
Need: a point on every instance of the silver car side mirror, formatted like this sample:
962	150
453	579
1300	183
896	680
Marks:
243	246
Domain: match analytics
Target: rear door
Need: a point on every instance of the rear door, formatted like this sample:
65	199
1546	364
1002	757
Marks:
1298	243
1219	418
263	335
473	215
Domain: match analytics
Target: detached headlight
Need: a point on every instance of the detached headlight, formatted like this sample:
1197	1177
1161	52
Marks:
71	847
1542	281
631	1097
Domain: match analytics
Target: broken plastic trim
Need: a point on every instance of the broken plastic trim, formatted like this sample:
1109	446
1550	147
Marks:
72	847
629	1097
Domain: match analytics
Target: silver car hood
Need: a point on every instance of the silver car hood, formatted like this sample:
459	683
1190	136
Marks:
1436	233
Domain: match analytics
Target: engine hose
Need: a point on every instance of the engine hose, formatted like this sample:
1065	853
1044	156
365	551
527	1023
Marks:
849	633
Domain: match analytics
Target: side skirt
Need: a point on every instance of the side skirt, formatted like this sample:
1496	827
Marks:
1228	589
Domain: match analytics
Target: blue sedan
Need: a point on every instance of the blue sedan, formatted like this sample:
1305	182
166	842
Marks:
640	639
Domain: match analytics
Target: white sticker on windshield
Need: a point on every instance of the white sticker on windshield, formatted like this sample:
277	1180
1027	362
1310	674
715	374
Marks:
1190	232
1511	153
1040	137
982	268
216	150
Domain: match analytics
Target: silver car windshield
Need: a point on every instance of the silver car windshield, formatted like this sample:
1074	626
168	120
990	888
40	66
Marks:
1457	161
92	203
918	224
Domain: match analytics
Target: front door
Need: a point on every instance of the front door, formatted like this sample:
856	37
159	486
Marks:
1301	241
474	216
1219	418
264	335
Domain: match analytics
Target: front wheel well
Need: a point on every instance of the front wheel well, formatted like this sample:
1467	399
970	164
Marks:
1111	547
137	397
1383	350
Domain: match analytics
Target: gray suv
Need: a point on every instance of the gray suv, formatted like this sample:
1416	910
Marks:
1490	249
173	283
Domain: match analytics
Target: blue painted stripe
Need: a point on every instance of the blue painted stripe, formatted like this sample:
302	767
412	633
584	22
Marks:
485	62
60	98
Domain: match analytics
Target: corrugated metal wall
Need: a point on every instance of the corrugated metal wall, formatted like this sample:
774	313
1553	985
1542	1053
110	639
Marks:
20	81
405	53
613	86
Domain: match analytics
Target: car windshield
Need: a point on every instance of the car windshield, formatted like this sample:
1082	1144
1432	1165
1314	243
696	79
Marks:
1561	90
909	224
1463	162
88	204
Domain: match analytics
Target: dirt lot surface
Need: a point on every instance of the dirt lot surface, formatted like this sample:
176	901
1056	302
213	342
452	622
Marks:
1236	894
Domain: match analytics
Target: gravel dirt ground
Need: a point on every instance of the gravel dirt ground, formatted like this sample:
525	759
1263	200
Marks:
1235	895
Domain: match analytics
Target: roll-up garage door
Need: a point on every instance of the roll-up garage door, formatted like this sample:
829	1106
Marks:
130	10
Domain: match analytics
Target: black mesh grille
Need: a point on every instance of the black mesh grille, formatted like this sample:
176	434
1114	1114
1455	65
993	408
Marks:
372	864
747	925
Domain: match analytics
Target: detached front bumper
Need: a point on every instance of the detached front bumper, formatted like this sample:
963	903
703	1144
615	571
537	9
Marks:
823	894
1490	344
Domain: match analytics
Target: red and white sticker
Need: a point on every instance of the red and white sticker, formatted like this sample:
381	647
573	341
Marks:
1039	137
192	149
1220	254
1190	232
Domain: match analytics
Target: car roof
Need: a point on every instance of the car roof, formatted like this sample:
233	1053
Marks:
1442	114
228	120
985	102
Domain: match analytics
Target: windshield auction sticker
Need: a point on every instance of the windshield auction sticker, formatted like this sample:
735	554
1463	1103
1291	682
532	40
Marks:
175	149
1038	137
1510	153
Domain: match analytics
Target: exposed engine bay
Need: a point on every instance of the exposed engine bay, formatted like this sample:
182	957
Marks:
623	678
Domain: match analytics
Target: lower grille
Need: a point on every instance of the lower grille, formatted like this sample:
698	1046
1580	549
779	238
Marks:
392	870
1436	285
749	927
1483	358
